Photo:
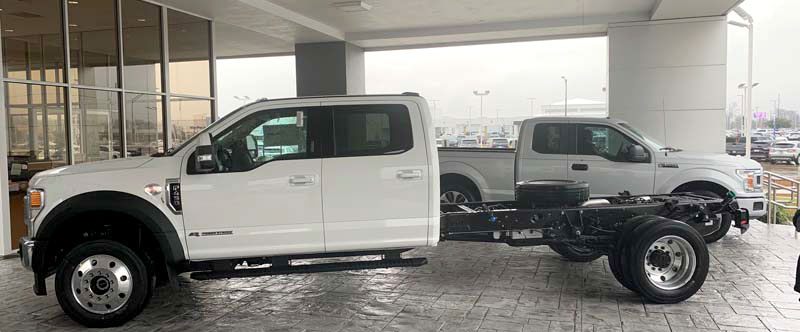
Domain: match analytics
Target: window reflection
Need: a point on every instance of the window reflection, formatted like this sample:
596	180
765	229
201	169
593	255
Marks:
143	124
187	117
36	126
189	54
93	42
141	32
95	123
33	46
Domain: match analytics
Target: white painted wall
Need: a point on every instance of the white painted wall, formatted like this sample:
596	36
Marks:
671	75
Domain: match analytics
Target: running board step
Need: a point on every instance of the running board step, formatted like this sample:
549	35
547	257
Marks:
310	268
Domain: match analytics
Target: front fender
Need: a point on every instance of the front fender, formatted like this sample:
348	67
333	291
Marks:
699	174
113	201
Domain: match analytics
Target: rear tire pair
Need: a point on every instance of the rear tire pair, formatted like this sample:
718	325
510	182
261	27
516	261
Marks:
663	260
103	283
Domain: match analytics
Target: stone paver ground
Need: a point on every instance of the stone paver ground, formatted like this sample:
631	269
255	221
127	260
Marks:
464	287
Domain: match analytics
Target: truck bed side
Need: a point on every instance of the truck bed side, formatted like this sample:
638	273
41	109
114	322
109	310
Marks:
490	170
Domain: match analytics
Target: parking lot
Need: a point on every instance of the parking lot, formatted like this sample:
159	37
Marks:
464	287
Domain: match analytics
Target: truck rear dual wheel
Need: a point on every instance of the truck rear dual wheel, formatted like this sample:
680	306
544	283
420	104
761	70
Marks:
103	283
664	260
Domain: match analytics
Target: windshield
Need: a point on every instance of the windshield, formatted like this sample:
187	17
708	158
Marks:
171	152
648	139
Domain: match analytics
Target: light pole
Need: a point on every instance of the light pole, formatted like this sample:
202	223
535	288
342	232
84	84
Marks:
532	100
749	94
565	95
481	94
747	117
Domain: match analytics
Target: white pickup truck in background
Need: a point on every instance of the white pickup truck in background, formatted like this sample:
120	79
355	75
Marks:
611	155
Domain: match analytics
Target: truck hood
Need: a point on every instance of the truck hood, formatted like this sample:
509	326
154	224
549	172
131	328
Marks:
717	159
96	167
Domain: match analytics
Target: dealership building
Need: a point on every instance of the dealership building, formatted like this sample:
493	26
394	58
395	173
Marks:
92	80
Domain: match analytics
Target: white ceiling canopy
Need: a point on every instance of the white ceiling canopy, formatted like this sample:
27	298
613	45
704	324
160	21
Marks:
268	27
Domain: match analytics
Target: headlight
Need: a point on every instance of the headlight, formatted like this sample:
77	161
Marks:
34	203
751	179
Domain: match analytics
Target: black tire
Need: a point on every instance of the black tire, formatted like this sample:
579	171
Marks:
724	226
137	296
616	259
545	194
575	253
468	193
675	233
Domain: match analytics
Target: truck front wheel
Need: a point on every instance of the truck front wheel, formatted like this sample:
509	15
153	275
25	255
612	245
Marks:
668	261
574	253
725	223
102	284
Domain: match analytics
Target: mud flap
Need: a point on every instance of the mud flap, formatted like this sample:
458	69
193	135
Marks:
742	220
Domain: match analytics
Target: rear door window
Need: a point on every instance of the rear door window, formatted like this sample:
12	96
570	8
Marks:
365	130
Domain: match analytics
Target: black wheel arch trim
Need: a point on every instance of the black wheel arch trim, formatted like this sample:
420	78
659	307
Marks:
114	201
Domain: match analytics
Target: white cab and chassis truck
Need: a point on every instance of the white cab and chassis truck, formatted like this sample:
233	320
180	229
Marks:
611	155
304	178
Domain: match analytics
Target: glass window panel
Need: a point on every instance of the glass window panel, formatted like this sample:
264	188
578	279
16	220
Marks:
95	123
33	43
144	128
36	126
361	130
188	117
189	54
93	42
141	33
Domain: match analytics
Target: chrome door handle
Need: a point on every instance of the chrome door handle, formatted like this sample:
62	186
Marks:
301	180
409	174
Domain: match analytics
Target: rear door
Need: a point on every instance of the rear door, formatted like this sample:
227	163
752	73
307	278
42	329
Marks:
600	159
543	152
376	184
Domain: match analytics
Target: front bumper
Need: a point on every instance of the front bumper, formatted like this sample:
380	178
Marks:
757	206
31	255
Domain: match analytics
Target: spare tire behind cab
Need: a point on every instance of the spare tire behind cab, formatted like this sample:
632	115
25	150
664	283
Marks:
546	194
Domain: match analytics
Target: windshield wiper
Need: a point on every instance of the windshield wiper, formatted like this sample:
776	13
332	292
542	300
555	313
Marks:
670	149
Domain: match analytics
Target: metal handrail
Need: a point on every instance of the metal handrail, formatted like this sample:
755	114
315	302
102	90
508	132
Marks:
768	182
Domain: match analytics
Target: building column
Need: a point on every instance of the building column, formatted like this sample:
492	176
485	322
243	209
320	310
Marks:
330	68
5	212
668	78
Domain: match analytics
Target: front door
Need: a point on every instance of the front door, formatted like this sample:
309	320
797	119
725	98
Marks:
265	198
601	159
376	180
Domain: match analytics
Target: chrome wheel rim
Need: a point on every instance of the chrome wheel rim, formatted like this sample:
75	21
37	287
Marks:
101	284
670	262
450	197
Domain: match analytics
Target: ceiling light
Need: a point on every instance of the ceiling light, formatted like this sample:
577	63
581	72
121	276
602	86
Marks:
352	6
9	30
72	2
73	25
141	20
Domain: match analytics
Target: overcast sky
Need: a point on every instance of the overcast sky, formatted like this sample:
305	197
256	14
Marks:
514	72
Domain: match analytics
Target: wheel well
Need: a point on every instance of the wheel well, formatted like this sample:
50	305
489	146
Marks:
106	225
452	178
702	185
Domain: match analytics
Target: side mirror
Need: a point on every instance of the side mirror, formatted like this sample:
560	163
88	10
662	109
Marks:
205	160
637	154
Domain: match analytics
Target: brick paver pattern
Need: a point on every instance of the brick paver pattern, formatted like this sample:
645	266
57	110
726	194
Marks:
464	287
